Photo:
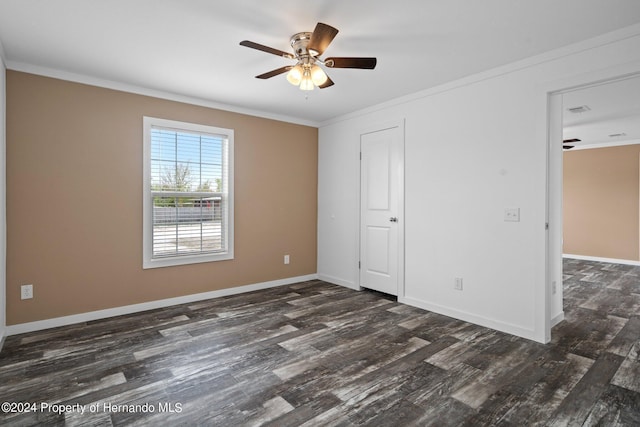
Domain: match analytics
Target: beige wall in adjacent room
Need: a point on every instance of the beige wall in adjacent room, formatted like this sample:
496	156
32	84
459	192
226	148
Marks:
74	207
601	202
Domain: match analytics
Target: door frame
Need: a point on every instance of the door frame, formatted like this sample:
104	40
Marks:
400	124
554	182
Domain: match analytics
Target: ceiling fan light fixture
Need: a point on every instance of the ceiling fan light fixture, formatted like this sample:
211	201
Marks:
318	75
307	82
307	49
294	76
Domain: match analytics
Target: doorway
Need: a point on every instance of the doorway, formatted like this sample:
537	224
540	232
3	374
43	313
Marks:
560	103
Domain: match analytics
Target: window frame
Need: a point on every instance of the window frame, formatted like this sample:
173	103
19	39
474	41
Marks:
148	261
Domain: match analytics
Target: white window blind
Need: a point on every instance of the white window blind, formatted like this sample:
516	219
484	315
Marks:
188	193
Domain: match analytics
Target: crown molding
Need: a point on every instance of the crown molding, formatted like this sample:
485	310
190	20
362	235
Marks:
552	55
145	91
604	145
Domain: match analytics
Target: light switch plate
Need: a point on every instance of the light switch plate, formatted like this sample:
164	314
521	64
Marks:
512	214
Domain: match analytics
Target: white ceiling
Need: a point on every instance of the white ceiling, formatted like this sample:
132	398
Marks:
190	47
614	109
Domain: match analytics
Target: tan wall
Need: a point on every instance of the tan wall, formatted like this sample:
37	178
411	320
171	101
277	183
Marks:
601	202
74	207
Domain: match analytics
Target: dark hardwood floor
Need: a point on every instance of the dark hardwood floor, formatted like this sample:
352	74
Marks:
317	354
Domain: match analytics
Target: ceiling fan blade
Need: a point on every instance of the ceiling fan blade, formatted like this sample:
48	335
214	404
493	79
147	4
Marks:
567	147
321	37
328	83
273	73
267	49
364	63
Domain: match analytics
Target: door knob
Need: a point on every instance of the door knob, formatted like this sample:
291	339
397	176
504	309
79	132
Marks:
393	219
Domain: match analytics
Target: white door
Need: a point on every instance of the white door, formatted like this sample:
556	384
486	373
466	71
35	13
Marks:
380	222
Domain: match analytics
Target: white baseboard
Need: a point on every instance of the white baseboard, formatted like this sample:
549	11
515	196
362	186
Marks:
559	318
473	318
135	308
600	259
339	281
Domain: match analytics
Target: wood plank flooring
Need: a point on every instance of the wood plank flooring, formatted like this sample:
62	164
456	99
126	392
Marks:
315	354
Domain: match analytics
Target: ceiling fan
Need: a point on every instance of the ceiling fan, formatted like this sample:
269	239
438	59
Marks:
307	48
568	144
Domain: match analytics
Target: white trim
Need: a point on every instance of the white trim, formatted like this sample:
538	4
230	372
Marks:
585	45
551	296
559	318
601	259
605	145
401	211
340	282
3	57
151	305
155	93
473	318
3	198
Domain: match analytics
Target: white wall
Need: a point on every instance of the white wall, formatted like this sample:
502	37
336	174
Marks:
472	148
3	198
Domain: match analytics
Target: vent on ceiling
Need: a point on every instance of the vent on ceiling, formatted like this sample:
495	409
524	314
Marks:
617	135
580	109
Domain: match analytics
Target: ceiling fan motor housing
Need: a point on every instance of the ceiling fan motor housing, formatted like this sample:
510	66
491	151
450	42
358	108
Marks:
299	43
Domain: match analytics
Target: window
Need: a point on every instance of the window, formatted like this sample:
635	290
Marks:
188	193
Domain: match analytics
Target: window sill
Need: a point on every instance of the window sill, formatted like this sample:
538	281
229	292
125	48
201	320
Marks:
185	260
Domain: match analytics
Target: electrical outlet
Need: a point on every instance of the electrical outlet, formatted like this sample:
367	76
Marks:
553	287
458	284
286	259
26	291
